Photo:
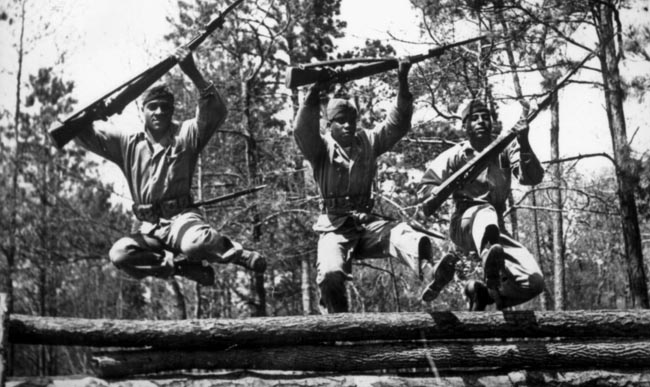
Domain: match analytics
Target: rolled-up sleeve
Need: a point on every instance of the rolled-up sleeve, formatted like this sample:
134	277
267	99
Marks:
437	171
104	142
525	165
306	129
396	125
211	113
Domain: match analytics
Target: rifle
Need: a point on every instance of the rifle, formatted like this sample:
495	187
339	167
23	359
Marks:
229	196
107	106
474	167
315	72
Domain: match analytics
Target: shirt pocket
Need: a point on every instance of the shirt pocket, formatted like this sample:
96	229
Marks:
178	168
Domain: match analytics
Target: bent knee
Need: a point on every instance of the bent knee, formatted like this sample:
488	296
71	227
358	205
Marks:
199	241
119	252
536	284
195	243
332	280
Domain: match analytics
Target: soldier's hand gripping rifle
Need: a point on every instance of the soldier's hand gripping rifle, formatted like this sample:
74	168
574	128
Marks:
479	163
116	100
322	71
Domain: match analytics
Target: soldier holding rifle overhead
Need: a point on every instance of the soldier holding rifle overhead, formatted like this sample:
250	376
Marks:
511	273
344	162
172	237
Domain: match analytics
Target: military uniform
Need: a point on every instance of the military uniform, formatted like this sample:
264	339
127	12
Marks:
479	206
346	225
159	179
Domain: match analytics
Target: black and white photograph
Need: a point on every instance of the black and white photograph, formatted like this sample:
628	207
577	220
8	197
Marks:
324	193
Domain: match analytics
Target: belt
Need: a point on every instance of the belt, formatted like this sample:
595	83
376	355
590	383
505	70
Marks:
152	212
346	204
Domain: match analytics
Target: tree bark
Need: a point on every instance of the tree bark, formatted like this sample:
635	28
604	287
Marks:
257	279
543	299
255	332
626	175
375	357
179	298
609	377
558	229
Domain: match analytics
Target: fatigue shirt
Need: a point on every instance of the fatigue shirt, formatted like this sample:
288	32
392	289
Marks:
337	174
155	173
492	185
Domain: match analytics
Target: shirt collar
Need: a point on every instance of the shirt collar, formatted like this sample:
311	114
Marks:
467	148
165	141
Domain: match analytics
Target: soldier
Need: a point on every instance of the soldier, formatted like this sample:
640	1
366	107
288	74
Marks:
171	237
511	274
344	165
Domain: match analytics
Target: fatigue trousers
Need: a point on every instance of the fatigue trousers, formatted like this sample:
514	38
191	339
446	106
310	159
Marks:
360	240
149	251
522	279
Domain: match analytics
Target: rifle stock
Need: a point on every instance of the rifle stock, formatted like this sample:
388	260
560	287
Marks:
474	167
296	76
305	75
106	106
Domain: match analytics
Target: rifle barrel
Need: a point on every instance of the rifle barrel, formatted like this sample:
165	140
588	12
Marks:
217	22
230	196
307	74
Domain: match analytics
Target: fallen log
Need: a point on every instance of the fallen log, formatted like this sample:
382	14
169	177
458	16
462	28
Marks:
293	330
612	378
373	357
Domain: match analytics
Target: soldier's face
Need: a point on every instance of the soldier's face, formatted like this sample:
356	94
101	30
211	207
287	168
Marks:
158	116
344	127
479	126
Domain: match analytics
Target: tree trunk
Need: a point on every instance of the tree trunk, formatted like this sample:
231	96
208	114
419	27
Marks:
305	284
42	349
375	357
558	229
10	250
200	197
291	330
625	173
543	303
258	308
179	298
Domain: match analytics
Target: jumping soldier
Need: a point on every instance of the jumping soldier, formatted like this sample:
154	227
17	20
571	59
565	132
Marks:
172	237
344	165
511	273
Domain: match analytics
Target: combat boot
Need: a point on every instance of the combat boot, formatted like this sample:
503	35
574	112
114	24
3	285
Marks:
251	260
442	273
195	271
478	296
493	265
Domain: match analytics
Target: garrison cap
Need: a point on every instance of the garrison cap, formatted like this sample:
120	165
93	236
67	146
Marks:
158	92
472	106
338	106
